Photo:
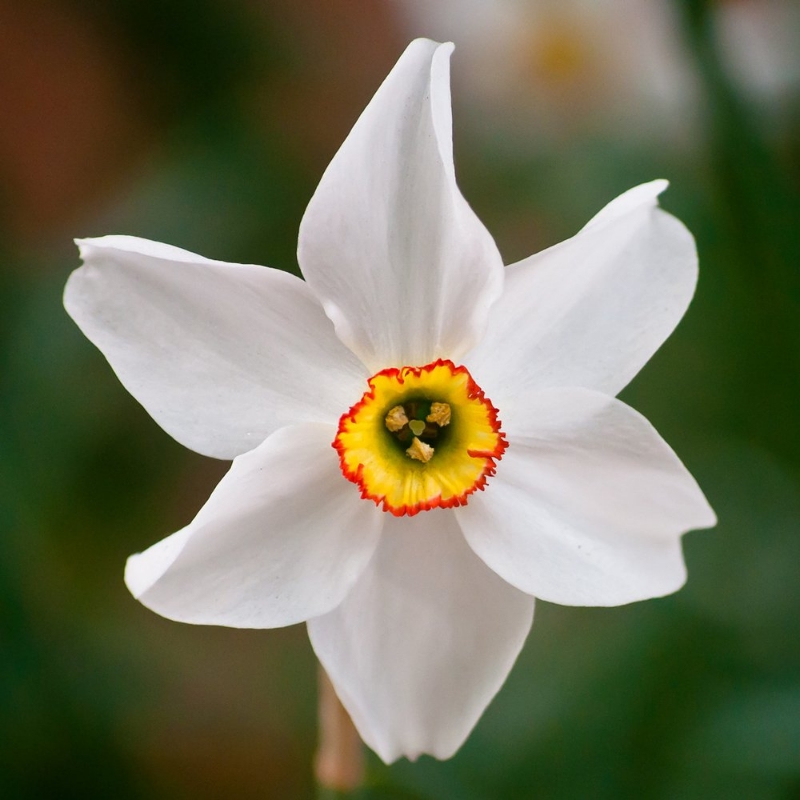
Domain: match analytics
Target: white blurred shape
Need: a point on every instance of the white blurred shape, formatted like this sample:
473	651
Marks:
759	44
569	66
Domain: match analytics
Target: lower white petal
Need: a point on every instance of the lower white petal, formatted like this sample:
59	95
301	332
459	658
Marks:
423	641
588	504
221	355
282	538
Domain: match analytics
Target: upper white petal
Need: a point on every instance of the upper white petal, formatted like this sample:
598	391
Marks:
423	641
221	355
592	310
282	538
588	503
404	268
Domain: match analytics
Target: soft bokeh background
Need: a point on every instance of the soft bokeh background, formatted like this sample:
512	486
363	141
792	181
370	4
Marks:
206	123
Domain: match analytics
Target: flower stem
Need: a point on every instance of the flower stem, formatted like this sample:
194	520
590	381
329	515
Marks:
339	761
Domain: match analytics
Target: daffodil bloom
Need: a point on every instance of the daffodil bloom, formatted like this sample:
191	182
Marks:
423	441
569	67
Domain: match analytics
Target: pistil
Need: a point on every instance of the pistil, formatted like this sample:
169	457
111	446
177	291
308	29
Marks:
417	427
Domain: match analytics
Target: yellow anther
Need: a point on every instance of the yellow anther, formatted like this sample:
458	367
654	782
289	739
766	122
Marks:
396	419
440	414
420	451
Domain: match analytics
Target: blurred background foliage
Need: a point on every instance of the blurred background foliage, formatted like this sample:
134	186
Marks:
206	124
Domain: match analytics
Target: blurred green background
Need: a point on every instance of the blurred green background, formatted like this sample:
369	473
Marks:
206	124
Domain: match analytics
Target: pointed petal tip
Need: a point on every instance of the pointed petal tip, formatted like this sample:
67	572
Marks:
89	247
703	515
84	242
428	49
133	577
389	755
446	47
707	519
632	200
143	570
644	192
424	41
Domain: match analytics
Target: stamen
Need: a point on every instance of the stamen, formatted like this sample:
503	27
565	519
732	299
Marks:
420	451
440	414
396	419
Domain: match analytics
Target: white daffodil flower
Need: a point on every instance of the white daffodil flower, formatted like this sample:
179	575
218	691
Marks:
364	406
568	67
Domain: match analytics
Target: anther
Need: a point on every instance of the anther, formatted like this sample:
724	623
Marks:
420	451
396	419
440	414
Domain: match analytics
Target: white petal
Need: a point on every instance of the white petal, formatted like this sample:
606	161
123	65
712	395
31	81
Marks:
592	310
404	268
282	538
588	503
424	641
221	355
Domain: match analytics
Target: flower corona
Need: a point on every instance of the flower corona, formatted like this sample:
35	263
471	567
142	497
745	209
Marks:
420	438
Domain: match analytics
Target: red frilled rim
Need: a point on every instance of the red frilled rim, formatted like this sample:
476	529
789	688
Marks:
400	375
